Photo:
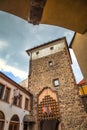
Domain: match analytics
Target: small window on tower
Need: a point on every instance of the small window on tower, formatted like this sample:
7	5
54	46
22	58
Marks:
50	63
56	82
51	48
37	52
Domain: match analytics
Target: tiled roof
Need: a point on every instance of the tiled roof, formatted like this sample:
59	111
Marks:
82	82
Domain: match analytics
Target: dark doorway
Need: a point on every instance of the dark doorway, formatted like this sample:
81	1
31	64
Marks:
49	125
28	126
31	126
25	126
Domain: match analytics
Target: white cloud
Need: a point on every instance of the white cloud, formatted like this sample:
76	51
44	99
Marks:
3	44
16	72
19	36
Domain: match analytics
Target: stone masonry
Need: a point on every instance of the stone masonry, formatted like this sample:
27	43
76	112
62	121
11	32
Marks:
72	113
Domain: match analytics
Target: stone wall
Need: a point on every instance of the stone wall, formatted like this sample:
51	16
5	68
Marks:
72	114
42	74
84	101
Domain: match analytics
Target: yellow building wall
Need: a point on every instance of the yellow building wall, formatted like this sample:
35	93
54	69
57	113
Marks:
79	46
83	90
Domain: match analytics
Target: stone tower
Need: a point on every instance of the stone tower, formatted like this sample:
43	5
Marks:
56	102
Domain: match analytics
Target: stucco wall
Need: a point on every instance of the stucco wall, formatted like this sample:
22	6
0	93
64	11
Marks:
47	51
9	109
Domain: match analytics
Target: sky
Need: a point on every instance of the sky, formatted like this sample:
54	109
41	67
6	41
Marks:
17	36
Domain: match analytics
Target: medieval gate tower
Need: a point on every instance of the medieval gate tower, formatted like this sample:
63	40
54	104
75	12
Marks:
56	102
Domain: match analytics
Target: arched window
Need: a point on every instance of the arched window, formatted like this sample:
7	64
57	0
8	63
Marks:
15	118
14	123
2	120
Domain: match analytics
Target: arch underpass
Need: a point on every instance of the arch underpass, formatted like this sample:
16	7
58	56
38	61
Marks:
69	14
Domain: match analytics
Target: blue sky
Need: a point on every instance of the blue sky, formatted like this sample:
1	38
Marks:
17	35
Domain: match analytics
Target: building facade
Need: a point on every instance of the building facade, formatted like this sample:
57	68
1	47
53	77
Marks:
79	46
56	101
14	105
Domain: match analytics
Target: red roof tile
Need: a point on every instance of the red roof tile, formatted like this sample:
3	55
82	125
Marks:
82	82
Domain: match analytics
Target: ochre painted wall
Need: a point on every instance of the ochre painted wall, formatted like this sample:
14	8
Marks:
71	14
83	90
79	46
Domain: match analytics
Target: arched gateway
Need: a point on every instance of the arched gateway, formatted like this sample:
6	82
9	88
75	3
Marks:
48	110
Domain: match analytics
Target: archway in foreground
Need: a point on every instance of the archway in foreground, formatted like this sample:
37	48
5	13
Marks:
2	120
14	123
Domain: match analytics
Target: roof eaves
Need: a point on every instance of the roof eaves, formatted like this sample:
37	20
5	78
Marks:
29	50
13	82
